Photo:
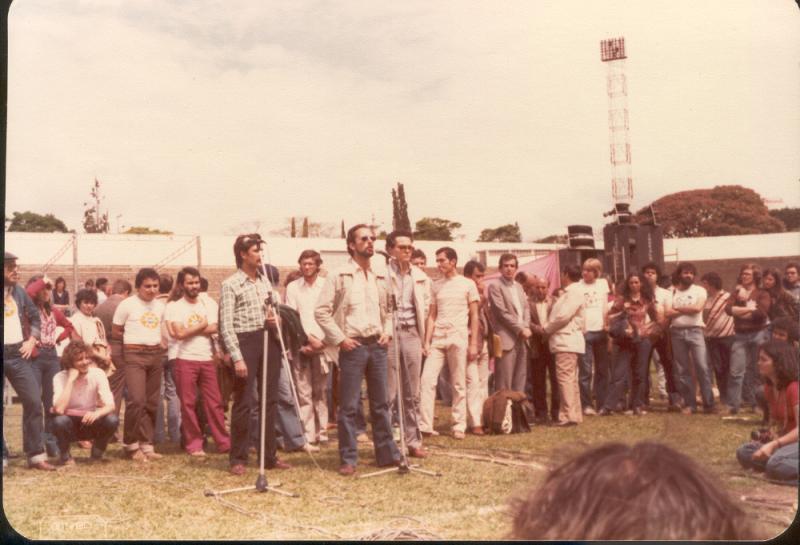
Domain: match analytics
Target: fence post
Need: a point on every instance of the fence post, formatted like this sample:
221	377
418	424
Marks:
74	263
199	252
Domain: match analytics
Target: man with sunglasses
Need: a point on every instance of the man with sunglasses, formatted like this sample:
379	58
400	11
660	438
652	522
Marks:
352	311
412	291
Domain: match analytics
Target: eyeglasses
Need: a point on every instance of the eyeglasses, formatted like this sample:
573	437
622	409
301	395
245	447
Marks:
366	238
404	247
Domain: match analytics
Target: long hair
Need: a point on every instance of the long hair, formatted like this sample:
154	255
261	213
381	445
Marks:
623	492
645	290
775	290
756	273
72	352
177	289
784	362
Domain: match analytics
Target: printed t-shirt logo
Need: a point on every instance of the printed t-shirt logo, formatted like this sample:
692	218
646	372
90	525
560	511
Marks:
149	320
194	319
9	309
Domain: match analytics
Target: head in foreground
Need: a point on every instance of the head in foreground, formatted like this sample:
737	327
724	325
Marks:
622	492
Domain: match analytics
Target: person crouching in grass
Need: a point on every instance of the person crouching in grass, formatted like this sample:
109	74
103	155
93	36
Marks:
82	403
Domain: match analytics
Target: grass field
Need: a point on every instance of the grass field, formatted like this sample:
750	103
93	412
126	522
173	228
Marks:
164	499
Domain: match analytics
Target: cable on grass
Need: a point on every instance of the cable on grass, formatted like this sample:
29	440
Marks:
406	532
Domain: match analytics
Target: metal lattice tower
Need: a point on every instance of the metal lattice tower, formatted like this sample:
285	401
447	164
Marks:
612	52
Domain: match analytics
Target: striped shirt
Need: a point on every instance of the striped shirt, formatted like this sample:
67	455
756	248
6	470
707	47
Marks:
241	308
718	322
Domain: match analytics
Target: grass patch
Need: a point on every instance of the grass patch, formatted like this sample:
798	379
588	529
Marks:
164	499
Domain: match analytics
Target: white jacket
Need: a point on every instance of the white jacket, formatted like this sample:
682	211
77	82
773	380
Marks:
567	323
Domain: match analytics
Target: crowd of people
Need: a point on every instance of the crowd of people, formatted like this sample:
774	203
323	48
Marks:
590	343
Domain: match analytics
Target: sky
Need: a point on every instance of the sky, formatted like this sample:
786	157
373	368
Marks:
210	117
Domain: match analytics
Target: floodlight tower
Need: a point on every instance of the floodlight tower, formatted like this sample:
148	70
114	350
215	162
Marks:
612	53
628	245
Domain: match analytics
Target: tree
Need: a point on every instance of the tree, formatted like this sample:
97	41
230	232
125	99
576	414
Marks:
343	234
309	229
293	229
139	230
553	239
305	227
723	210
93	220
435	229
31	222
789	216
504	233
400	221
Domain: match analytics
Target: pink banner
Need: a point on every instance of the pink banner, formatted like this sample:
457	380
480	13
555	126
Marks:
543	267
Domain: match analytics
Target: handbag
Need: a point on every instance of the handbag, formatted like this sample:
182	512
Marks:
621	330
497	346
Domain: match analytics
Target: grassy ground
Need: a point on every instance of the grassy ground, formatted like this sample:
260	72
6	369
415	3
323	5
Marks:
164	499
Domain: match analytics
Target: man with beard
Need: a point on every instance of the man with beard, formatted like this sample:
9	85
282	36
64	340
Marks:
352	311
686	312
191	322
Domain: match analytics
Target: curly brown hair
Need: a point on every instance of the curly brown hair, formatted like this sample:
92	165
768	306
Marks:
72	353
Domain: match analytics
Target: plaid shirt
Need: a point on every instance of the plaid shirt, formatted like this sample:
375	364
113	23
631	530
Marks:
241	308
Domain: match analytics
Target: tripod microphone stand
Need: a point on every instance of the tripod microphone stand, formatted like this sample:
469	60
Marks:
404	467
261	484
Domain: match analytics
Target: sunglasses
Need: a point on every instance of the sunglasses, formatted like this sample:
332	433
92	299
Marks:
366	238
404	247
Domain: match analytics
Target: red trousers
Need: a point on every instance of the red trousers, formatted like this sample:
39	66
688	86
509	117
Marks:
189	376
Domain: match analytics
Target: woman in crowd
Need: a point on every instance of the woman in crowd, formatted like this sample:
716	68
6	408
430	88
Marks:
61	296
782	304
636	313
778	366
45	360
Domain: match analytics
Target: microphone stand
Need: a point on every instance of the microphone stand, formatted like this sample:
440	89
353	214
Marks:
261	484
404	467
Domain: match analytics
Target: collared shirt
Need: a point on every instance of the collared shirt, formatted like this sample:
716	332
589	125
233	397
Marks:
404	291
541	312
89	391
241	308
302	296
718	322
363	318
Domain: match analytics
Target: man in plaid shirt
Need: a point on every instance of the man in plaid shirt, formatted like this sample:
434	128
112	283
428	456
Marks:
242	322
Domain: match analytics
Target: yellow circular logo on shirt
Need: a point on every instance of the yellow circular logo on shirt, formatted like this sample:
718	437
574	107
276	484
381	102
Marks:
149	320
9	310
194	319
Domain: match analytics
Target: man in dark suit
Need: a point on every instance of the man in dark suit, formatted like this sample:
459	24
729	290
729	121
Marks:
512	319
542	364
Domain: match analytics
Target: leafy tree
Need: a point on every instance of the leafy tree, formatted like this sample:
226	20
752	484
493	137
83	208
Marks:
553	239
723	210
32	222
93	220
504	233
400	219
435	229
139	230
312	229
789	216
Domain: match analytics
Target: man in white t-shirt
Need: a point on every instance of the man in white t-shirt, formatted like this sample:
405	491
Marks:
686	312
82	403
594	362
191	320
137	322
662	344
451	336
310	370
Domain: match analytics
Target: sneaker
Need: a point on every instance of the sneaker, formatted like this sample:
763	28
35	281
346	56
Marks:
323	438
458	435
589	411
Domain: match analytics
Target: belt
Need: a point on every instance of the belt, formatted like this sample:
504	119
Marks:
143	347
372	339
13	347
406	327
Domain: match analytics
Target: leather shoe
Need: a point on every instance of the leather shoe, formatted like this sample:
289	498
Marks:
237	469
42	466
279	464
477	430
417	452
347	470
393	463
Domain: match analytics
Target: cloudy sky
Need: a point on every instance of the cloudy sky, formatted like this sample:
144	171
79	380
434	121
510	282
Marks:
199	116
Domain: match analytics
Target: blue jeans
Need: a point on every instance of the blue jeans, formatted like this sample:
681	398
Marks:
719	357
686	342
595	356
21	375
743	375
70	428
369	359
781	466
169	394
45	366
288	428
634	357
